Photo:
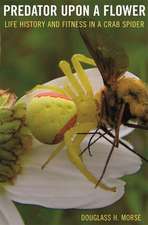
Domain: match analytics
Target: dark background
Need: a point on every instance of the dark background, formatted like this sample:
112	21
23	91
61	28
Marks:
31	56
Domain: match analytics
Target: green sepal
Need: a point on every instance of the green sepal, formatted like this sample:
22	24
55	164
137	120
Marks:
11	144
19	110
7	99
6	171
6	155
3	178
10	127
4	138
3	100
5	115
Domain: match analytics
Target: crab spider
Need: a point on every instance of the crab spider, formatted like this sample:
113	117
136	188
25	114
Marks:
80	90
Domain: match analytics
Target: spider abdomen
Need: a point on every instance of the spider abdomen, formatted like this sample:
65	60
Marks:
50	115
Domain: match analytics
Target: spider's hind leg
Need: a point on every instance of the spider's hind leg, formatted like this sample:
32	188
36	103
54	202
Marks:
53	154
73	141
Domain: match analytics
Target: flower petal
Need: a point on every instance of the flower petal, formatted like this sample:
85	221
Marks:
61	190
122	162
61	185
8	212
124	131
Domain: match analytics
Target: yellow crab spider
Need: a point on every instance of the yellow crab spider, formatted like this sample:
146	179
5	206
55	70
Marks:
87	112
81	92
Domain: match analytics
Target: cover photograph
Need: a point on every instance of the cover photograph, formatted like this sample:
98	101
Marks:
73	112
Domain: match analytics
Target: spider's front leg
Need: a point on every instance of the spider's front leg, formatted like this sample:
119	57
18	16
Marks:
80	84
73	141
77	59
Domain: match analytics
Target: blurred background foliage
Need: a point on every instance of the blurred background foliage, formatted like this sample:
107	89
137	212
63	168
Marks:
31	56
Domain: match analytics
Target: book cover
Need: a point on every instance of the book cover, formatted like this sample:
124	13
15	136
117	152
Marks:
57	138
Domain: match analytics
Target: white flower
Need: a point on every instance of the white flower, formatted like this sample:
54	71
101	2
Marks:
60	184
64	186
